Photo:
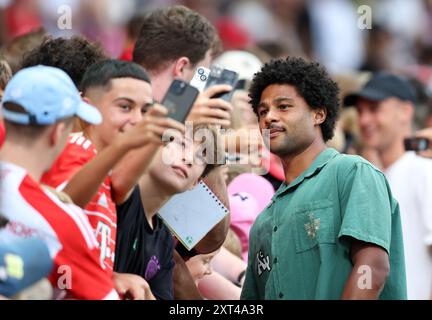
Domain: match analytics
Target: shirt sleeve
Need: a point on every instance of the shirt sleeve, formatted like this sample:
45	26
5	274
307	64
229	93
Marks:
366	205
70	161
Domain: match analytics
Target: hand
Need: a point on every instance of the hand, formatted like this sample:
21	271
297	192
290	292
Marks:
247	142
132	287
244	111
150	129
425	133
212	110
246	139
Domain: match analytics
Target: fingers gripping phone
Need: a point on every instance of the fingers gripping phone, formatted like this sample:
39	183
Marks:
179	100
416	144
219	75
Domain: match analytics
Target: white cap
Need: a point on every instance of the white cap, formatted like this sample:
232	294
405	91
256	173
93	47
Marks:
244	63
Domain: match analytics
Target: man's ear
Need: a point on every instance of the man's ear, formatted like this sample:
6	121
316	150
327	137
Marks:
179	67
87	100
407	113
57	131
320	115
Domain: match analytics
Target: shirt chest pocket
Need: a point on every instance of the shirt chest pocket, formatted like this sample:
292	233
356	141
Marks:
314	225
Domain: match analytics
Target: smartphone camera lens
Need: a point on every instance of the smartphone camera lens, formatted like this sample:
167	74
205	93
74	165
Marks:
203	78
179	86
200	71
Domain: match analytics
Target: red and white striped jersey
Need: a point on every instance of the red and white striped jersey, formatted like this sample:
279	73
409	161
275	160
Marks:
32	211
101	210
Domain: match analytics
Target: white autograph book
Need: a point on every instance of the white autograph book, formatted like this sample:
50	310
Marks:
192	214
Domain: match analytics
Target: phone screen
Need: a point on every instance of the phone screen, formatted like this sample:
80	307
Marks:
416	144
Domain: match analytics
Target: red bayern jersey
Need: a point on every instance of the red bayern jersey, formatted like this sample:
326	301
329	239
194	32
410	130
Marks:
65	229
101	210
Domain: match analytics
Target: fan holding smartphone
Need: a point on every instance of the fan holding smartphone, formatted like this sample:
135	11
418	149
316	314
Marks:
179	100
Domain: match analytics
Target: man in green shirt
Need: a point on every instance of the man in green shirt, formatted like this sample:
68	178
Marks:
332	230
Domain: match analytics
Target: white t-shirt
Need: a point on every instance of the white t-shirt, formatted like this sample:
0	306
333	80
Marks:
410	179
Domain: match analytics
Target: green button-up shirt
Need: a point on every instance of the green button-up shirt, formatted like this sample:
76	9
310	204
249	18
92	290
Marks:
300	244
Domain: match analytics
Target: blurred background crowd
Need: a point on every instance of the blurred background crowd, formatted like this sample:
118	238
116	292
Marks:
396	37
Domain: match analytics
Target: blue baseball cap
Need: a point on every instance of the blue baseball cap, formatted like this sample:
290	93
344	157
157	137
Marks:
47	95
23	262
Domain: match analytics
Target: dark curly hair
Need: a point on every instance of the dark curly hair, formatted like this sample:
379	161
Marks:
72	55
311	81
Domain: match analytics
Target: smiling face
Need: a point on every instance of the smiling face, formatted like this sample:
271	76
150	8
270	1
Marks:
383	123
292	123
122	105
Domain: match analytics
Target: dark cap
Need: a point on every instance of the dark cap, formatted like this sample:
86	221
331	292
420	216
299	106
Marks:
381	86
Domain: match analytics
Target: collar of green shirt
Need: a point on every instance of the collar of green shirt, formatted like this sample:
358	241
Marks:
323	158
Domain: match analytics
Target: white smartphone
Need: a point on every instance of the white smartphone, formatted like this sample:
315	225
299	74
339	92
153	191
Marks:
200	78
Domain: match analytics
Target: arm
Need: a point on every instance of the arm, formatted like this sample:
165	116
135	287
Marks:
84	185
146	135
217	287
369	273
205	110
216	236
128	171
184	285
132	287
229	266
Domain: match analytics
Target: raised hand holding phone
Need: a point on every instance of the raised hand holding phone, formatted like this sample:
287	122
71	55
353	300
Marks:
219	75
179	100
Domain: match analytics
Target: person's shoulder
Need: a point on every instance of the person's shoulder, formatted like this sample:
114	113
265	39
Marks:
419	169
419	162
346	163
134	200
76	153
78	145
69	221
163	231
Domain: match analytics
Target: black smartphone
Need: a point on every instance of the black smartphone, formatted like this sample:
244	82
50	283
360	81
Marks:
3	222
241	85
179	100
219	75
416	144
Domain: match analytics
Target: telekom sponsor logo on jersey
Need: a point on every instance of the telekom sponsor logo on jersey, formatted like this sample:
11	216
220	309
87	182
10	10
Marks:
103	236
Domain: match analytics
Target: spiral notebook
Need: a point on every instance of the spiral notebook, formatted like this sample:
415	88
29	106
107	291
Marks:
192	214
